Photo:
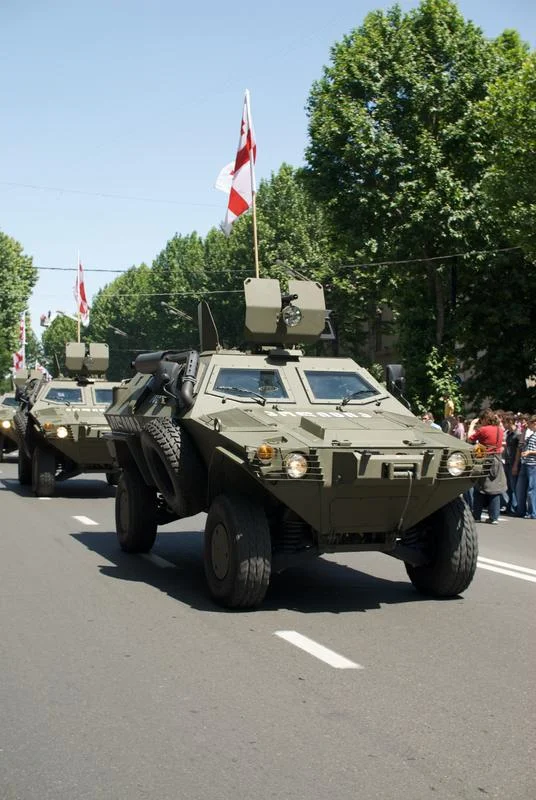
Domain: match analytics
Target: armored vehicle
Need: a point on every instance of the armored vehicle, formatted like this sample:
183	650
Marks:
8	440
60	423
292	456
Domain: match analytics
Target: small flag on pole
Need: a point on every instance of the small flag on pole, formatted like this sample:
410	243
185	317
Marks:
19	357
44	371
239	179
82	307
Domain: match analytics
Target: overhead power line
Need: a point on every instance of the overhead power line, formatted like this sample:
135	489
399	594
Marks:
107	195
341	266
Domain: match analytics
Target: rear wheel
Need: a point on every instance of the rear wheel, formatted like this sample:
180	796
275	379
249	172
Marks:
450	540
135	513
24	468
43	472
112	478
237	552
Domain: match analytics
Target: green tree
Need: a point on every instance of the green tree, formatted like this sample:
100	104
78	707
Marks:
395	156
61	330
123	316
17	277
509	116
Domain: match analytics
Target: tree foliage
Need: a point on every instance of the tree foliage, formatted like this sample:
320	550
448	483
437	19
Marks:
509	115
396	156
61	330
17	277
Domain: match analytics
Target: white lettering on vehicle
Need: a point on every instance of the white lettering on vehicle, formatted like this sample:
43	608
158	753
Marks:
324	414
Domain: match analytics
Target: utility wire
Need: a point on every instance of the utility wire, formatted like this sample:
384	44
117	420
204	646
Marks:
341	266
107	195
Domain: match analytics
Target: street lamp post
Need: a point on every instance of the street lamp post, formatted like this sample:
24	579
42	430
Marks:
175	311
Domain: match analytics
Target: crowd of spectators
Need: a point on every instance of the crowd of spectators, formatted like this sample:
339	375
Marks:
511	439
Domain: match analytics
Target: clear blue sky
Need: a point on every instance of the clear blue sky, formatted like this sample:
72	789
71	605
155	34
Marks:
142	99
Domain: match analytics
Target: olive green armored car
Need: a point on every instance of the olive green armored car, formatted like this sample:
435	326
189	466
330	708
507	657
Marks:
60	424
292	456
8	440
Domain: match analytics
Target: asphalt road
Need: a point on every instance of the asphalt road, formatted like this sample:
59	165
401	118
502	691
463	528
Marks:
119	678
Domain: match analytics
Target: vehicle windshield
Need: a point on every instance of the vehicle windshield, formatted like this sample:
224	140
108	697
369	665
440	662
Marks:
10	401
61	395
338	385
103	396
264	383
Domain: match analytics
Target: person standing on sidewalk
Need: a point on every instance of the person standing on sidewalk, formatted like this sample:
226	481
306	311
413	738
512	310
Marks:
526	480
488	431
511	453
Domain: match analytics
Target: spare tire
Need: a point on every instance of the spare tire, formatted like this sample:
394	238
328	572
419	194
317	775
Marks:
175	466
20	426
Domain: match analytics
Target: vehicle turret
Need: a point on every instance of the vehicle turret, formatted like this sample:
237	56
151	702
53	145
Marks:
87	360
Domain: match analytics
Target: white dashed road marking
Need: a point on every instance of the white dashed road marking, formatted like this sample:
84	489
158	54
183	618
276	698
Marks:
158	560
318	650
504	568
86	520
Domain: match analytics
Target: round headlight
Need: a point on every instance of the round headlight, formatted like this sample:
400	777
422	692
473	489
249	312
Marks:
62	432
265	453
6	424
456	464
296	465
291	316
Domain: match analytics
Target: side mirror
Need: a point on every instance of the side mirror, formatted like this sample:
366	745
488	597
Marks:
395	378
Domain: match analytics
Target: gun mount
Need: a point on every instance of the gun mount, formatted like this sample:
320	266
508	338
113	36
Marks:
85	360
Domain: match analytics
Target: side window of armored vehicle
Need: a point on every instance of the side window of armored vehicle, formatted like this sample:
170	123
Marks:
10	401
337	386
64	395
239	382
103	397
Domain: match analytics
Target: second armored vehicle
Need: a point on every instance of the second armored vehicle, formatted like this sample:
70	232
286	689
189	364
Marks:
8	439
291	455
60	425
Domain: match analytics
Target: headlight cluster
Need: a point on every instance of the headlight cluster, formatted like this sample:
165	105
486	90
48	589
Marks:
456	464
61	431
6	424
295	464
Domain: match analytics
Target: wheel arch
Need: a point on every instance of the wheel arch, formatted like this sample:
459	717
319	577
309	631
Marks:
228	474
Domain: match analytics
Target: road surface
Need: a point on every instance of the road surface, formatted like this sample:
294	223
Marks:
121	679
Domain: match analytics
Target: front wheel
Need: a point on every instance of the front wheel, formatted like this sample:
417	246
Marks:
237	552
135	513
450	540
24	468
43	472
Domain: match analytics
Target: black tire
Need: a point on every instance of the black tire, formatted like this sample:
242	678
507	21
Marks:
1	449
43	472
175	466
135	513
449	538
24	468
20	426
112	478
237	552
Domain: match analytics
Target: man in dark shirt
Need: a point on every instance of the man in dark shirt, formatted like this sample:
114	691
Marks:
526	481
513	442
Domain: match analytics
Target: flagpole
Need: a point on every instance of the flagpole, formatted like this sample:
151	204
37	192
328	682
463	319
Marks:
253	192
24	340
78	295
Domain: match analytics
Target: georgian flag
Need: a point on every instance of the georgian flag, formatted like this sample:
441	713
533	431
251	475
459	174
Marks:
239	178
82	307
19	357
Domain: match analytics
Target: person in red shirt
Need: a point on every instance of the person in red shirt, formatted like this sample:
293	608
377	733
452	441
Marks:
487	430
